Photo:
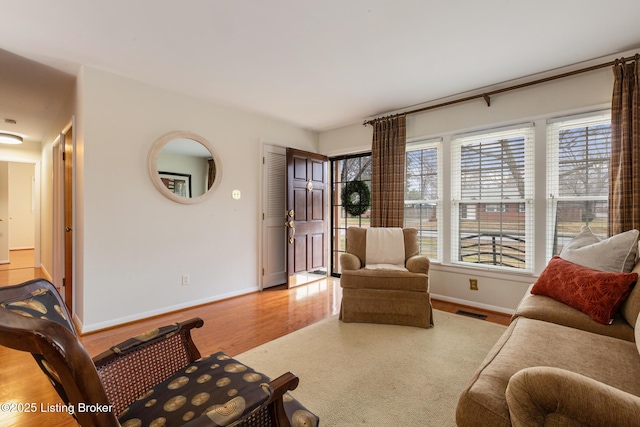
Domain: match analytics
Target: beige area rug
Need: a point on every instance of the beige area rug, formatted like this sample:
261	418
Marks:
354	374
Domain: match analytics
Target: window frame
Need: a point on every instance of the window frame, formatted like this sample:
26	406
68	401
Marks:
335	204
524	130
418	144
554	126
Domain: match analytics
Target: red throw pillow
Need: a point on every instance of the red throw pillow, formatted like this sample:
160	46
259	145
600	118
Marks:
596	293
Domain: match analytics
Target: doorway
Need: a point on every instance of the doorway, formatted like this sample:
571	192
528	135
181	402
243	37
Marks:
294	218
18	220
63	220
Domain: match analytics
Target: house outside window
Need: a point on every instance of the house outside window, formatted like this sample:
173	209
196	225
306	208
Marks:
423	207
496	208
578	154
492	176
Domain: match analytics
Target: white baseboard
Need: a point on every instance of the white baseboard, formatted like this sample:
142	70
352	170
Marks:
140	316
474	304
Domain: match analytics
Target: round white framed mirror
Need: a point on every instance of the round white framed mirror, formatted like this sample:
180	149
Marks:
184	167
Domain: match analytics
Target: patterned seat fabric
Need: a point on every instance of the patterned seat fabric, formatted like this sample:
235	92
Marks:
42	304
298	415
221	392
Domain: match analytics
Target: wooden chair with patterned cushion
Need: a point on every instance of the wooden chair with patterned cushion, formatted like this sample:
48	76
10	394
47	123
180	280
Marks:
157	378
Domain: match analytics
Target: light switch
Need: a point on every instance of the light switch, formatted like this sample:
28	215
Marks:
235	194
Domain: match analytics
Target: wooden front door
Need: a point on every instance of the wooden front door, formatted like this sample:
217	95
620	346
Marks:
306	217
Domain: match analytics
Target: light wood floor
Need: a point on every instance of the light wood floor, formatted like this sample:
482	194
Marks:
234	325
20	268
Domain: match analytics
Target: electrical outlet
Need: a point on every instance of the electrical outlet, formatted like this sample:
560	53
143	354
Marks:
473	284
185	280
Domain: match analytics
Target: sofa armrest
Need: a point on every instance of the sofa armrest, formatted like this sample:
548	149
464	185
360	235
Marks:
350	262
542	396
418	264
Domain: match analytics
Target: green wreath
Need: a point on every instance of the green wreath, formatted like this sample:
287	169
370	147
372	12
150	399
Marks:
359	206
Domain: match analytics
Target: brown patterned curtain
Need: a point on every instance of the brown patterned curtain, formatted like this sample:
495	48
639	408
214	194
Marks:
624	171
387	179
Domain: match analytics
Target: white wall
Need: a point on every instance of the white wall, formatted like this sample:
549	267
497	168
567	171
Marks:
22	205
134	244
584	92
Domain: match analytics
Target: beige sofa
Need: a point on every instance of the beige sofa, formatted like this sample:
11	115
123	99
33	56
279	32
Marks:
555	366
390	296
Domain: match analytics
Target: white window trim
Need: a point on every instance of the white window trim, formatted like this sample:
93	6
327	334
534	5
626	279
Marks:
416	144
554	126
457	141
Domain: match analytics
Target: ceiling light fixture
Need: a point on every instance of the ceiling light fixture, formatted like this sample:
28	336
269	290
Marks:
7	138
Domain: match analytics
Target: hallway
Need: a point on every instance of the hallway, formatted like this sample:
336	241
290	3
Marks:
20	269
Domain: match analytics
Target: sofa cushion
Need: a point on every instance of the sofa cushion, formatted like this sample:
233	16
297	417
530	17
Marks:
541	307
596	293
616	254
527	343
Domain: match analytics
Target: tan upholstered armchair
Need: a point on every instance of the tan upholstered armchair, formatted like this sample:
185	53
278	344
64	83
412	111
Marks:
377	291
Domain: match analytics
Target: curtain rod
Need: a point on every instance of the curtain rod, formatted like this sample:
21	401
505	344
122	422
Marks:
487	95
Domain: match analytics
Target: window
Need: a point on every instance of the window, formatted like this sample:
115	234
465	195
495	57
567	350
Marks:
496	208
492	191
422	194
578	152
343	170
491	206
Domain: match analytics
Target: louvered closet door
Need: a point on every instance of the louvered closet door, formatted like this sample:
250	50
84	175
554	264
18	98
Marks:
274	265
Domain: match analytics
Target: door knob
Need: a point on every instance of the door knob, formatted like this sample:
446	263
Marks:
67	229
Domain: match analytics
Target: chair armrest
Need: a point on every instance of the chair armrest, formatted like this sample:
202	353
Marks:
535	395
350	262
131	367
280	386
418	264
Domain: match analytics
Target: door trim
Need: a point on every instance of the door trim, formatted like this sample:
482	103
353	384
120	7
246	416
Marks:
60	255
58	212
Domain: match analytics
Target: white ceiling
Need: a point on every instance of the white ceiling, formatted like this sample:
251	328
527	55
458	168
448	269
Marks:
316	64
